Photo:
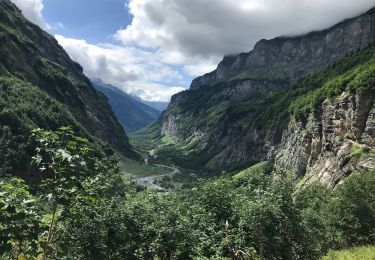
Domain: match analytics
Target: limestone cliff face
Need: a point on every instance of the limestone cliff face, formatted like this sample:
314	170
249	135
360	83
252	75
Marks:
336	141
219	110
212	121
297	57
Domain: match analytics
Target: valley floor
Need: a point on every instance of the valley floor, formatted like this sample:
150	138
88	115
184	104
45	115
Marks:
151	181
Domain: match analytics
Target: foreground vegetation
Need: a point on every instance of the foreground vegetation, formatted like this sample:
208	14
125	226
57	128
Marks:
84	208
363	253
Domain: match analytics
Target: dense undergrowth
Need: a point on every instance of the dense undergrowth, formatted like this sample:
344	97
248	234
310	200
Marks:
85	209
24	107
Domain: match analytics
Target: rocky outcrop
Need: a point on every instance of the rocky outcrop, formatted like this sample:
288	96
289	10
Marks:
336	141
171	127
187	108
297	57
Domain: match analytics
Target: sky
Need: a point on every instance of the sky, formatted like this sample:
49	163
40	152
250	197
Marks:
154	48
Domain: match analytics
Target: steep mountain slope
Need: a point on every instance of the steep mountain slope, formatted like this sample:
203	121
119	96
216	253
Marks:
40	86
293	58
226	116
131	113
331	133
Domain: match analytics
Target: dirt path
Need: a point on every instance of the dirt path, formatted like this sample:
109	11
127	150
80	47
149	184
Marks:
149	181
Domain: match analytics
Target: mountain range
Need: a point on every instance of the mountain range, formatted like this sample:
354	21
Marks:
252	162
306	102
132	112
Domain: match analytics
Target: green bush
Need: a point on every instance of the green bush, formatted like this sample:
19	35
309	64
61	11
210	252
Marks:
352	211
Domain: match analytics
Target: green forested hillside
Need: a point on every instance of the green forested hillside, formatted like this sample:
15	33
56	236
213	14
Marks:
42	87
354	73
23	108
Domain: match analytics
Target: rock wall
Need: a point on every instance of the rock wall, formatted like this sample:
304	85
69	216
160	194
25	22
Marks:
297	56
180	123
336	141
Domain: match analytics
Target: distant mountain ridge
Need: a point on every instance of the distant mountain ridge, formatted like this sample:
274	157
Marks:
130	111
158	105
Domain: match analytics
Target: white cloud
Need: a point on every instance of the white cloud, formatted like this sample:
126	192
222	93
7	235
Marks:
151	91
201	29
133	70
170	41
196	34
32	10
199	68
